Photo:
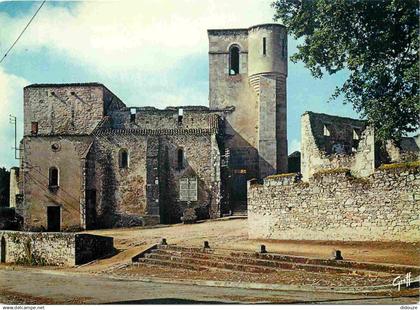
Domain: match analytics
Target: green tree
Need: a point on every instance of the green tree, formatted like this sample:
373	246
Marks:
4	187
377	41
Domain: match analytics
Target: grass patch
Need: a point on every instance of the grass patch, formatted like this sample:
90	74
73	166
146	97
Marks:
331	171
282	175
401	166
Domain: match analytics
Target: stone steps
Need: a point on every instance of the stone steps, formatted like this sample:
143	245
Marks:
267	264
372	267
210	263
168	263
202	259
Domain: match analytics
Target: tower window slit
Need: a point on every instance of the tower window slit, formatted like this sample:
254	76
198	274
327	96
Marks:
264	46
234	60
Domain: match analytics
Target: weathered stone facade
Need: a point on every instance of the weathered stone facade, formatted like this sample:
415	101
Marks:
92	187
52	248
89	161
334	205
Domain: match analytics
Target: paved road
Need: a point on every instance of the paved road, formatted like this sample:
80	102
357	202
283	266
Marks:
34	287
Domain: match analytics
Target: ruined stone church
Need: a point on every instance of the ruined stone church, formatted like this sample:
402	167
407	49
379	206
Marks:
89	161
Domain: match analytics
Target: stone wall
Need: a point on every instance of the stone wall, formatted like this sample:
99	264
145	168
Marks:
121	192
52	248
336	206
147	191
330	142
201	161
66	108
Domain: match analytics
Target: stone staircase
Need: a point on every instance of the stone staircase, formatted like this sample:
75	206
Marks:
201	259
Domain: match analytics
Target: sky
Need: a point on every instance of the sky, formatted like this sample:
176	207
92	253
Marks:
149	53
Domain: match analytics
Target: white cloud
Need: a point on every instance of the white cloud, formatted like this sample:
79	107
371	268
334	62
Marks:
11	102
137	43
294	145
133	35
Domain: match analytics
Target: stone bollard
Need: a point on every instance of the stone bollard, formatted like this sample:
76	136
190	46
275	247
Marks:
337	255
163	242
263	249
206	245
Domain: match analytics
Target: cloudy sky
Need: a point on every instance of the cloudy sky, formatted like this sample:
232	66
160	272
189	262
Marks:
148	52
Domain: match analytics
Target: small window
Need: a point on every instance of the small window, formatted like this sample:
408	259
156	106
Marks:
234	60
53	178
327	131
180	116
123	158
180	158
284	48
264	46
133	115
356	134
34	128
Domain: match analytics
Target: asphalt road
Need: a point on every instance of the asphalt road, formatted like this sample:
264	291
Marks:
31	286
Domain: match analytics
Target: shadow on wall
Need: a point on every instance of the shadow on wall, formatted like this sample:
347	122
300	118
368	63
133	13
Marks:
107	215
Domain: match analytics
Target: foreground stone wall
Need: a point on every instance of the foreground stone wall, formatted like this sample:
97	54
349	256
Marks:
335	206
68	249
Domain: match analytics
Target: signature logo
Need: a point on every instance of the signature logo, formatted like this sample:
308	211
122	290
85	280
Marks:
401	280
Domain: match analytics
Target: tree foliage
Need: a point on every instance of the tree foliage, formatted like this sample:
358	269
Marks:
4	187
377	41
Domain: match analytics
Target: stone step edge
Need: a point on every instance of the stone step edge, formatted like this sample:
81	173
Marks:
177	265
216	265
302	267
248	253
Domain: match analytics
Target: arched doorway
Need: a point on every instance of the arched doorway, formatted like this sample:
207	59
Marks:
3	250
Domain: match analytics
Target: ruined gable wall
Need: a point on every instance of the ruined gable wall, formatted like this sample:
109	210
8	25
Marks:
383	207
71	110
38	157
409	150
317	150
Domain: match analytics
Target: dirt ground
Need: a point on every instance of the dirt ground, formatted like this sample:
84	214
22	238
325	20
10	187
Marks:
289	277
232	234
29	286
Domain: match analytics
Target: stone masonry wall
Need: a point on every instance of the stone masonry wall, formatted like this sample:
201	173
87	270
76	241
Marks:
39	248
67	249
67	109
121	192
200	161
335	206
